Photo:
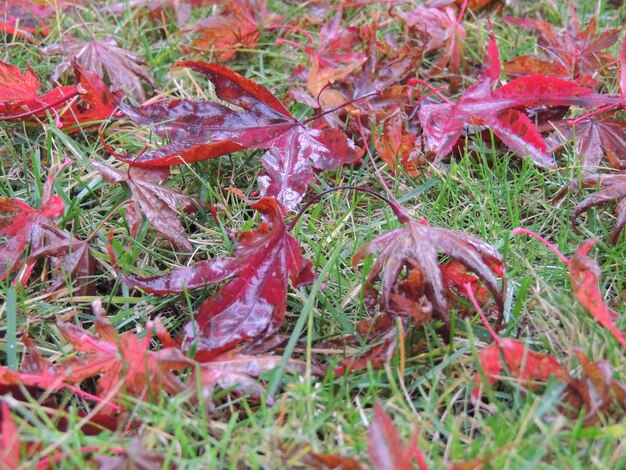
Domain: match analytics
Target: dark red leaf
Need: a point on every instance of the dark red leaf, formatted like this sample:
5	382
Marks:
160	205
593	137
417	247
124	69
204	129
251	306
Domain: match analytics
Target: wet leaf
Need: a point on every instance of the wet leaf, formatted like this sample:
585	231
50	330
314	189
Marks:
161	205
124	69
205	129
252	305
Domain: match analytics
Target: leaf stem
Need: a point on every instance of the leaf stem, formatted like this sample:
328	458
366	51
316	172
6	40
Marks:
472	297
399	211
553	248
30	113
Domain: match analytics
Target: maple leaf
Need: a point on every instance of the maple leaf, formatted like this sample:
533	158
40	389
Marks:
19	93
575	53
252	305
523	363
593	137
612	188
95	103
205	129
124	69
9	439
238	27
236	372
396	145
160	204
445	36
385	445
444	123
124	358
335	45
417	248
584	274
24	18
378	77
595	390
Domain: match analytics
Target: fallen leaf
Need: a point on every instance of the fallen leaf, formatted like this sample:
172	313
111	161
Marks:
122	358
161	205
596	390
124	69
612	188
575	53
19	93
237	373
444	123
397	145
24	19
252	305
512	355
593	138
385	446
237	27
204	129
584	273
9	439
418	246
444	34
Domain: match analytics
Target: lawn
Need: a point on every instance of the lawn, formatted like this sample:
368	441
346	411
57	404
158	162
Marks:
273	362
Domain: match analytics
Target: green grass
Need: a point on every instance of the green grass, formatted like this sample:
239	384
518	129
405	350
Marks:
486	193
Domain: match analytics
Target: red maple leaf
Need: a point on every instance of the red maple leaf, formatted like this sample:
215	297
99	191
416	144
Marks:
593	138
204	129
385	446
416	248
19	93
122	358
443	124
9	439
24	18
160	205
584	274
252	305
32	229
523	363
575	53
